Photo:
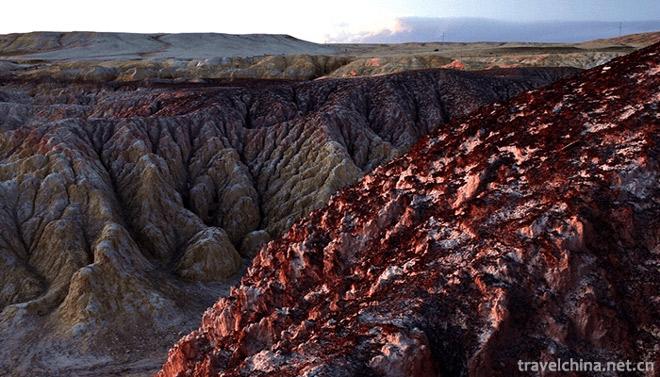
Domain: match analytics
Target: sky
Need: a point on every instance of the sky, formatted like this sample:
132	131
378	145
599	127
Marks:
320	21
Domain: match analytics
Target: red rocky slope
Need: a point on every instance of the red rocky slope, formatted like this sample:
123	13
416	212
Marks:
124	209
527	232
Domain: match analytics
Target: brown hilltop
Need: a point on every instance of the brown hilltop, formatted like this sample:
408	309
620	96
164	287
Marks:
527	231
124	209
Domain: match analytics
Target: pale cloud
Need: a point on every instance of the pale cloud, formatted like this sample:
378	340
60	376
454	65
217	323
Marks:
349	33
462	29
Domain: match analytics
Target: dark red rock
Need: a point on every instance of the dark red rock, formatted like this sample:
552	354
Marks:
528	230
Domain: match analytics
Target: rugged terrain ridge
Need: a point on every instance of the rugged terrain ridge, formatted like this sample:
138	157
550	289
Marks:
528	230
125	210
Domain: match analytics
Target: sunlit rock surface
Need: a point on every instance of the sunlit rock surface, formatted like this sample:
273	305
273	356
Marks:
526	231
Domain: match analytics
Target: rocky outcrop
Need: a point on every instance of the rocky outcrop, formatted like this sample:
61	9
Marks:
389	64
526	231
125	209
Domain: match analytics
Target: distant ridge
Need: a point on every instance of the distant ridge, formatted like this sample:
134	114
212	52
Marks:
202	57
109	46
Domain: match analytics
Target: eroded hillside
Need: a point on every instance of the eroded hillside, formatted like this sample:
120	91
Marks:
126	209
526	231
